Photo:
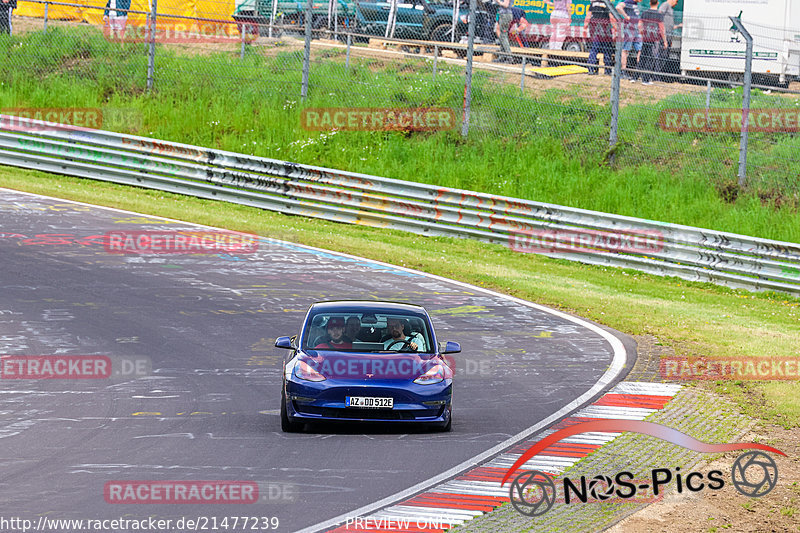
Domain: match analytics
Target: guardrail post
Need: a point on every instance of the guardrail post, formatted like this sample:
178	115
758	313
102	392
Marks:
151	55
468	71
748	79
615	79
435	60
46	5
307	50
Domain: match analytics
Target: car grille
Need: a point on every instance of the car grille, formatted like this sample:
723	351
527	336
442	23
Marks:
368	414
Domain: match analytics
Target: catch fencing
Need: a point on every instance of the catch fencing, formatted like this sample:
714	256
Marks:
525	226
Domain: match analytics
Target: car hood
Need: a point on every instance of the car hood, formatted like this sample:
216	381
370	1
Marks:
339	365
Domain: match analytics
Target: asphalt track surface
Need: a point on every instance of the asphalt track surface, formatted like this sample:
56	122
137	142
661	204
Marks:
208	407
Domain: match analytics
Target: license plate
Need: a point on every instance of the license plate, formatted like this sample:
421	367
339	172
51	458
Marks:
368	402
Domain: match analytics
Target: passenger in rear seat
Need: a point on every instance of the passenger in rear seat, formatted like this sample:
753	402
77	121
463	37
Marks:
336	339
353	329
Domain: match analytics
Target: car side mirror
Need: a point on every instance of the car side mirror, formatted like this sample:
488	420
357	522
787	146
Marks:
284	342
451	347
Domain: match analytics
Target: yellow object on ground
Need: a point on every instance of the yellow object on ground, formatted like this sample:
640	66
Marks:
218	11
35	9
552	72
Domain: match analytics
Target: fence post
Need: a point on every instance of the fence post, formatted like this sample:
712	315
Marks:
468	71
46	5
347	56
307	50
243	32
612	134
748	78
335	20
455	21
435	60
272	18
392	20
708	98
522	76
151	55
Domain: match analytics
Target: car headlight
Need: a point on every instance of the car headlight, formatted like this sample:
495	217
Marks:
307	372
434	375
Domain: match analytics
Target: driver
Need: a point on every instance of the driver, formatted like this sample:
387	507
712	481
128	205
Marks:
399	340
337	340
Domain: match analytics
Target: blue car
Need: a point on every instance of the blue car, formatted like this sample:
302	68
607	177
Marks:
366	361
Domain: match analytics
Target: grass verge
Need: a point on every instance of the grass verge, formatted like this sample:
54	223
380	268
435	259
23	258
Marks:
693	318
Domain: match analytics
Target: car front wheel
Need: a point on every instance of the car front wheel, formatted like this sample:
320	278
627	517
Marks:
449	425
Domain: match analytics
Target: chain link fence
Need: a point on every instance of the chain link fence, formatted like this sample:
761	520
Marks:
675	95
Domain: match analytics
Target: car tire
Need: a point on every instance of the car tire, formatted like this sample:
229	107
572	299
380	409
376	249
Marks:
573	46
288	426
448	426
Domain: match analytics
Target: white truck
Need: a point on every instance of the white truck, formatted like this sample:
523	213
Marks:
710	44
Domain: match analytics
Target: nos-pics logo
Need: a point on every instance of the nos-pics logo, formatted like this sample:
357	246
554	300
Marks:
534	492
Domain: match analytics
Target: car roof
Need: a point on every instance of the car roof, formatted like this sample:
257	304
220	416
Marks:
359	306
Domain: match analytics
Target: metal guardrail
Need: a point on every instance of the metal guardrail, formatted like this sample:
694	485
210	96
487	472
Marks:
290	188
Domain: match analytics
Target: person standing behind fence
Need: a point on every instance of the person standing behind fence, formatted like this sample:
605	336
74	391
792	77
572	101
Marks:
559	22
6	7
669	29
504	17
598	21
115	18
631	39
653	40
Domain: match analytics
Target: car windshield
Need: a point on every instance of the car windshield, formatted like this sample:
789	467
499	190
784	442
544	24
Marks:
367	332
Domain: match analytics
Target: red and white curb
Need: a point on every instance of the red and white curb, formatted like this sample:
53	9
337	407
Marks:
477	492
